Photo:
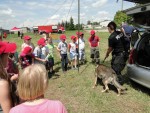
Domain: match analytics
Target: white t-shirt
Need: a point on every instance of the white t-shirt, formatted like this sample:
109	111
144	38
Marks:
41	52
63	47
45	52
81	43
72	47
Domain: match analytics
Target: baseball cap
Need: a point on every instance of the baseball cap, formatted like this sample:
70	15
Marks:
26	37
92	32
41	41
73	37
79	33
26	50
62	37
6	47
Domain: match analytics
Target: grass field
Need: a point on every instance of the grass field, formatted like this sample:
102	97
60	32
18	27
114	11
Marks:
75	91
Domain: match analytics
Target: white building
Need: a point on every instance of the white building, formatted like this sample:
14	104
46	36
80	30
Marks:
104	23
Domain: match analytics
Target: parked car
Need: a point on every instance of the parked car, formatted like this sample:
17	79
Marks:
138	68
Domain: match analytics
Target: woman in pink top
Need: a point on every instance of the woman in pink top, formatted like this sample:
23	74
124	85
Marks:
31	87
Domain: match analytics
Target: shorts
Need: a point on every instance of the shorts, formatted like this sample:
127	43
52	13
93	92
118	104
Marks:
50	63
73	56
94	52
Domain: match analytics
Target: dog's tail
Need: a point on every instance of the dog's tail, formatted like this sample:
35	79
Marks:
116	84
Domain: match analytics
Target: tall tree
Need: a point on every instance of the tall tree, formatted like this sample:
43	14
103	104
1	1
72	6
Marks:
71	25
59	24
67	25
76	27
88	22
121	17
62	23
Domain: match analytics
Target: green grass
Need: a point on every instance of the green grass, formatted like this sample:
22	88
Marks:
75	91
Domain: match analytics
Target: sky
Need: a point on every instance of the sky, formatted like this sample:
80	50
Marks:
29	13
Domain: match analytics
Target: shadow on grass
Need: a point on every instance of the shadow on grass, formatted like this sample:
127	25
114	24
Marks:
57	69
135	85
50	75
57	63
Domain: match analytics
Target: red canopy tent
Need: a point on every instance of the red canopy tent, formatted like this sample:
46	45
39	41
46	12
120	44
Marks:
15	29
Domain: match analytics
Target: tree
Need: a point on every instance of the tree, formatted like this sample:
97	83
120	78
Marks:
121	17
62	23
66	25
76	27
71	25
88	22
59	24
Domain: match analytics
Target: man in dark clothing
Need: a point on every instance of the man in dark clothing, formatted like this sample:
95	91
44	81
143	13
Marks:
127	31
116	46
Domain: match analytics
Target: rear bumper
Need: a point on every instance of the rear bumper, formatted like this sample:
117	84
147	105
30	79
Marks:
139	74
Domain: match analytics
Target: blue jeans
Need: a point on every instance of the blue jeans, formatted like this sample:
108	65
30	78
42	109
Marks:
64	62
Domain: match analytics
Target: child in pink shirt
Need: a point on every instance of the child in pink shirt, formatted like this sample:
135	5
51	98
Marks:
31	87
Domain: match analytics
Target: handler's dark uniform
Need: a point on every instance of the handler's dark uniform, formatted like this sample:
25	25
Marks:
116	41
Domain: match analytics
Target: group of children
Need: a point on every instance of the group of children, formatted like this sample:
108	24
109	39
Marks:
75	50
43	53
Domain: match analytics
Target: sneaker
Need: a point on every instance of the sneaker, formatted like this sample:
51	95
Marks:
75	68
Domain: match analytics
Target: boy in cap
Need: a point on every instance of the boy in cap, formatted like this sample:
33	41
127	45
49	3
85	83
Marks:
50	56
73	53
26	57
94	46
41	51
62	48
27	42
81	47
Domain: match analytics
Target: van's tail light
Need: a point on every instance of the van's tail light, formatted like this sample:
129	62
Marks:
131	59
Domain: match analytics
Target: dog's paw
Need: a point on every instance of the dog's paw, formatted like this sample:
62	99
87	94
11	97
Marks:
103	91
93	87
118	95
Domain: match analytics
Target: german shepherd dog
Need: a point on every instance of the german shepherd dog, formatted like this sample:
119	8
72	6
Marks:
108	76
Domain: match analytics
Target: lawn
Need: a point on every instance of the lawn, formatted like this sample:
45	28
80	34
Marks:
75	91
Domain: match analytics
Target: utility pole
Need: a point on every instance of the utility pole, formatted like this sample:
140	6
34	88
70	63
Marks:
121	5
1	31
78	30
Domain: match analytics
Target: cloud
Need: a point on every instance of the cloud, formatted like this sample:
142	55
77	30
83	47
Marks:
55	17
5	11
99	3
103	13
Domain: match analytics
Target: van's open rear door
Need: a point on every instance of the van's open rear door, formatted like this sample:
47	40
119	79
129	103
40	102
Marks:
139	1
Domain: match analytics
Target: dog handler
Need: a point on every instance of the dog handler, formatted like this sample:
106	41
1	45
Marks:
116	46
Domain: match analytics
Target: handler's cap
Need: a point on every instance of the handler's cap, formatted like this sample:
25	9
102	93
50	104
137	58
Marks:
26	37
6	47
41	41
26	51
92	32
62	37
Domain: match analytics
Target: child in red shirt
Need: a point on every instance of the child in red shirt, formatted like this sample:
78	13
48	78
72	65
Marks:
26	57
